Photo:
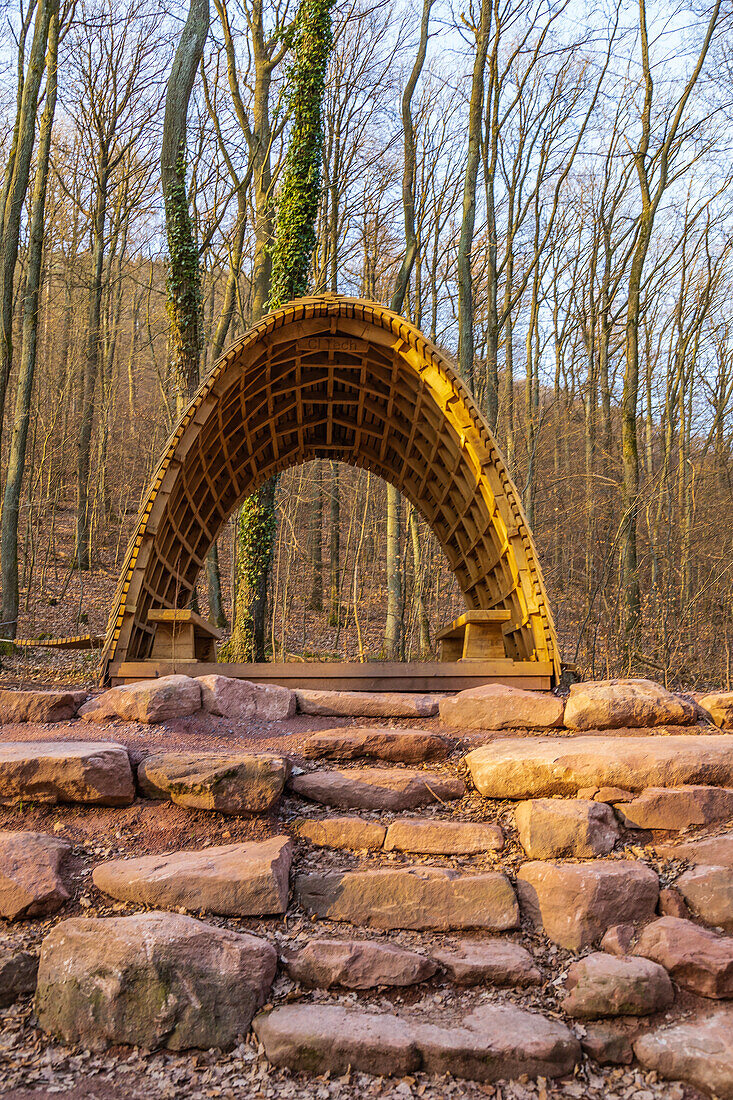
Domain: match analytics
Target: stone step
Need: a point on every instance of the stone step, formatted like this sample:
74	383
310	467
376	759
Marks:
488	962
714	851
355	964
39	706
708	894
367	704
377	788
577	827
94	772
492	1043
419	836
677	808
30	880
416	897
697	959
241	880
241	784
519	769
18	969
603	985
400	746
697	1051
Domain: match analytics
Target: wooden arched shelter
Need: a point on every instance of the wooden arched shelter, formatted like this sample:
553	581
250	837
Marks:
344	379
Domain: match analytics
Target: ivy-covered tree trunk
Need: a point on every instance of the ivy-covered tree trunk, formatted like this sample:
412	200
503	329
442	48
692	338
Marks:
295	239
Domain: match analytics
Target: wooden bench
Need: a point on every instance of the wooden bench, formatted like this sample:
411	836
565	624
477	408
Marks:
475	636
182	635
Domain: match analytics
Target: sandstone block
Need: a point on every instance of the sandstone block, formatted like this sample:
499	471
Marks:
488	962
500	707
519	768
230	698
154	979
719	705
450	838
412	897
65	771
377	788
605	985
401	746
619	939
550	827
577	903
356	964
697	959
39	706
672	904
610	1042
18	970
244	880
366	704
708	891
714	851
697	1051
678	808
617	704
146	701
30	879
341	832
242	783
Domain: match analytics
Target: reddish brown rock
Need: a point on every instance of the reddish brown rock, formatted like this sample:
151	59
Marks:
500	707
366	704
672	904
244	880
340	832
698	1051
356	964
612	795
242	783
550	827
577	903
606	985
230	698
18	971
438	837
714	851
697	959
410	897
489	962
708	891
612	704
401	746
154	979
494	1042
146	701
377	788
30	879
678	808
40	706
610	1043
65	771
520	768
619	939
719	705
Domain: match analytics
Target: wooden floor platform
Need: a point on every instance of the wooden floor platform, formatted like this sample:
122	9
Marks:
352	676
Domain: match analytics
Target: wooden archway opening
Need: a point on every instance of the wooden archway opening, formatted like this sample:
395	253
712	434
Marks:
343	379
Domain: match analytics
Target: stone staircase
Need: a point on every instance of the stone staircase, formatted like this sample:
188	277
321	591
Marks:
520	909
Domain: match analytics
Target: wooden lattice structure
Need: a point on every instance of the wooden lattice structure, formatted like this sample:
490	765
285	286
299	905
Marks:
345	379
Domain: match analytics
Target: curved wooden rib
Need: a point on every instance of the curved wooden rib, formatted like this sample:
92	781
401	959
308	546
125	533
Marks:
344	379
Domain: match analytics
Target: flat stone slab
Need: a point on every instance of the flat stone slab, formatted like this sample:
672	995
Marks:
714	851
697	1051
356	964
576	903
18	969
240	783
696	958
494	1042
410	897
677	808
65	771
240	880
488	962
708	892
146	701
615	704
552	827
154	979
230	698
30	879
40	706
521	768
366	704
500	707
377	788
400	746
604	985
341	832
448	838
719	705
